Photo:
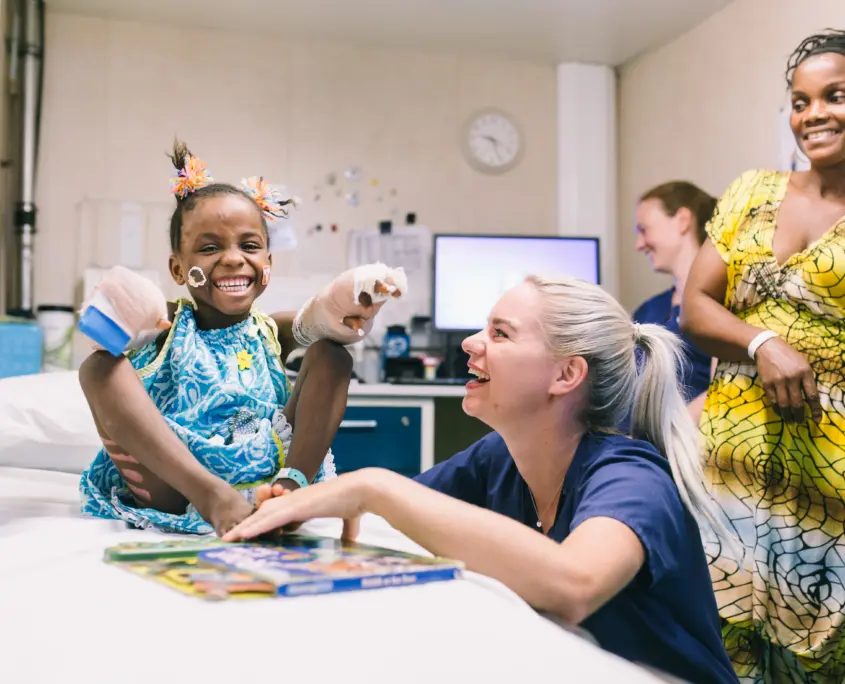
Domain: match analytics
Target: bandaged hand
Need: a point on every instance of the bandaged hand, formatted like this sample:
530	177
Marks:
132	302
344	309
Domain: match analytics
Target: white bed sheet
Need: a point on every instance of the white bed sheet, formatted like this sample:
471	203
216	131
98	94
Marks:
68	617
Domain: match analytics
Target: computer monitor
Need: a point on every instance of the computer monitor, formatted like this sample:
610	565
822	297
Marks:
471	272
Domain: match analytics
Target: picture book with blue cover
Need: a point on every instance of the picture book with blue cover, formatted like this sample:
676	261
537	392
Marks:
292	565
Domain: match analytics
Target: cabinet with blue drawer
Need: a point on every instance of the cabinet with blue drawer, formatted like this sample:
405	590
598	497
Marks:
384	435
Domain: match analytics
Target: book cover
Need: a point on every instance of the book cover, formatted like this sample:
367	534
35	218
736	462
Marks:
293	565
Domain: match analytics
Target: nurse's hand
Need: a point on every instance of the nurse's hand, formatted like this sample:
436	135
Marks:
344	497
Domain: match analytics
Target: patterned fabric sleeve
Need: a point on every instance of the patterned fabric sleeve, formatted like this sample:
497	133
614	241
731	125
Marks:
729	210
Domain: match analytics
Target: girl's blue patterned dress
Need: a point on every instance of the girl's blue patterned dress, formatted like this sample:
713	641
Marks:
222	392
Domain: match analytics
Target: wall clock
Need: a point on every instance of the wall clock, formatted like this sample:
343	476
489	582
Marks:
492	142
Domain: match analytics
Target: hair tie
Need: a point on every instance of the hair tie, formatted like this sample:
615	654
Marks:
268	198
191	178
638	336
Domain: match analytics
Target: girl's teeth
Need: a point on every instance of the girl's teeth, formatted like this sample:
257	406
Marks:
234	285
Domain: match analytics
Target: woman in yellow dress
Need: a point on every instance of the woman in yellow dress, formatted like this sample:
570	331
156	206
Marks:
766	296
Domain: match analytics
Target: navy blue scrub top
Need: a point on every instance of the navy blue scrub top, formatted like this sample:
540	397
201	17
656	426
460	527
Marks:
695	377
666	617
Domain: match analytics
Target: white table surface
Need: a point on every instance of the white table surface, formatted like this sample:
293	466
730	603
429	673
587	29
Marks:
68	617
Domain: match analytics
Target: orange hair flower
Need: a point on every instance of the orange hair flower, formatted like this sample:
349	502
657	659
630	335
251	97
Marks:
191	178
268	198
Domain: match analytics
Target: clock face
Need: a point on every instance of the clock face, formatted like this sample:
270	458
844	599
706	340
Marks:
493	142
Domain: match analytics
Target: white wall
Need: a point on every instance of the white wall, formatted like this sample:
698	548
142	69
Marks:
116	93
704	108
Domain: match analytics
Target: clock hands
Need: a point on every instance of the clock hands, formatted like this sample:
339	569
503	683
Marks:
495	144
492	142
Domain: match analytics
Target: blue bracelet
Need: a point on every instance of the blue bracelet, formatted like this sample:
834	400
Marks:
293	474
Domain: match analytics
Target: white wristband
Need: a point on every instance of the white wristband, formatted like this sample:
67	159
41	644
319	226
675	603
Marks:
759	340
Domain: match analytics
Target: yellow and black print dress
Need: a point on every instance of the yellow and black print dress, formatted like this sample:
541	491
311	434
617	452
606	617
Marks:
781	485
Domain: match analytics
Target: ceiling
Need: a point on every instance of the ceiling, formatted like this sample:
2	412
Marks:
542	31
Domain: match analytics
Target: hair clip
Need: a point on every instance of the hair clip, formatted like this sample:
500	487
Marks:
191	178
266	197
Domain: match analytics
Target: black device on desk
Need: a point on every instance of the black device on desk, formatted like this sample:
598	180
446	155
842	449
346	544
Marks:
403	368
458	382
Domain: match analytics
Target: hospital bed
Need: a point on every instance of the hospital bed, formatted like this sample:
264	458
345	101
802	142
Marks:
68	617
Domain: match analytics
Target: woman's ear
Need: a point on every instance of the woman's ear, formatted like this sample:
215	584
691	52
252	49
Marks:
570	373
685	219
176	270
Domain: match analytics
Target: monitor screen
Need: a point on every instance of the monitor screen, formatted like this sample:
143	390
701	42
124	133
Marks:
471	272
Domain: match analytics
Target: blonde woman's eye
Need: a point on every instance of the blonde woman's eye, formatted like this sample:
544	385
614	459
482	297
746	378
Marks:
497	332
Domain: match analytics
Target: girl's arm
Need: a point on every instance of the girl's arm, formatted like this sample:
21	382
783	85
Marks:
284	322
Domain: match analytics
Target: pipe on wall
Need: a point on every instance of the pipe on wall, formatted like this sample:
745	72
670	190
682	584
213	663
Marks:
26	72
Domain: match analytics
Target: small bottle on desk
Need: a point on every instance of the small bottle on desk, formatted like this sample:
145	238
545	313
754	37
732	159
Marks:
396	344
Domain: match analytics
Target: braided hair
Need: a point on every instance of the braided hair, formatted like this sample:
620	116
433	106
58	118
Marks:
827	42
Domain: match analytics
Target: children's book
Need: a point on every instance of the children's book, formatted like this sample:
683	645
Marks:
292	565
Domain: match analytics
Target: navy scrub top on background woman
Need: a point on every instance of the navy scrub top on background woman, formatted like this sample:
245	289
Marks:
695	377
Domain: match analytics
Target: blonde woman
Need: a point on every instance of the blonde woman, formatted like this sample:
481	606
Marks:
580	522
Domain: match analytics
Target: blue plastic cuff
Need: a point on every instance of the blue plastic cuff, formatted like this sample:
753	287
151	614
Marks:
293	474
95	325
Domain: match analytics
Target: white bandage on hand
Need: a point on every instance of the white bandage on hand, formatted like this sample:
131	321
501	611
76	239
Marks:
133	302
343	310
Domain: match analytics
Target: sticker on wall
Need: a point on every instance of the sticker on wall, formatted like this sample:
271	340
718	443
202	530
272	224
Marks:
282	236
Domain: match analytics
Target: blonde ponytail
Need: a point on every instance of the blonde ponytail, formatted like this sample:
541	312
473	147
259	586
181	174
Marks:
660	416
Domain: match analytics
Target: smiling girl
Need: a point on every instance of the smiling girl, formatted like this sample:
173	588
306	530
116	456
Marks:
195	421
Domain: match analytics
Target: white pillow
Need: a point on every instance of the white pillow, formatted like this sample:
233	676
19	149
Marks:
45	423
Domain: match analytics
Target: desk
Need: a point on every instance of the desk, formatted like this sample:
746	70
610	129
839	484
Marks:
405	428
390	391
